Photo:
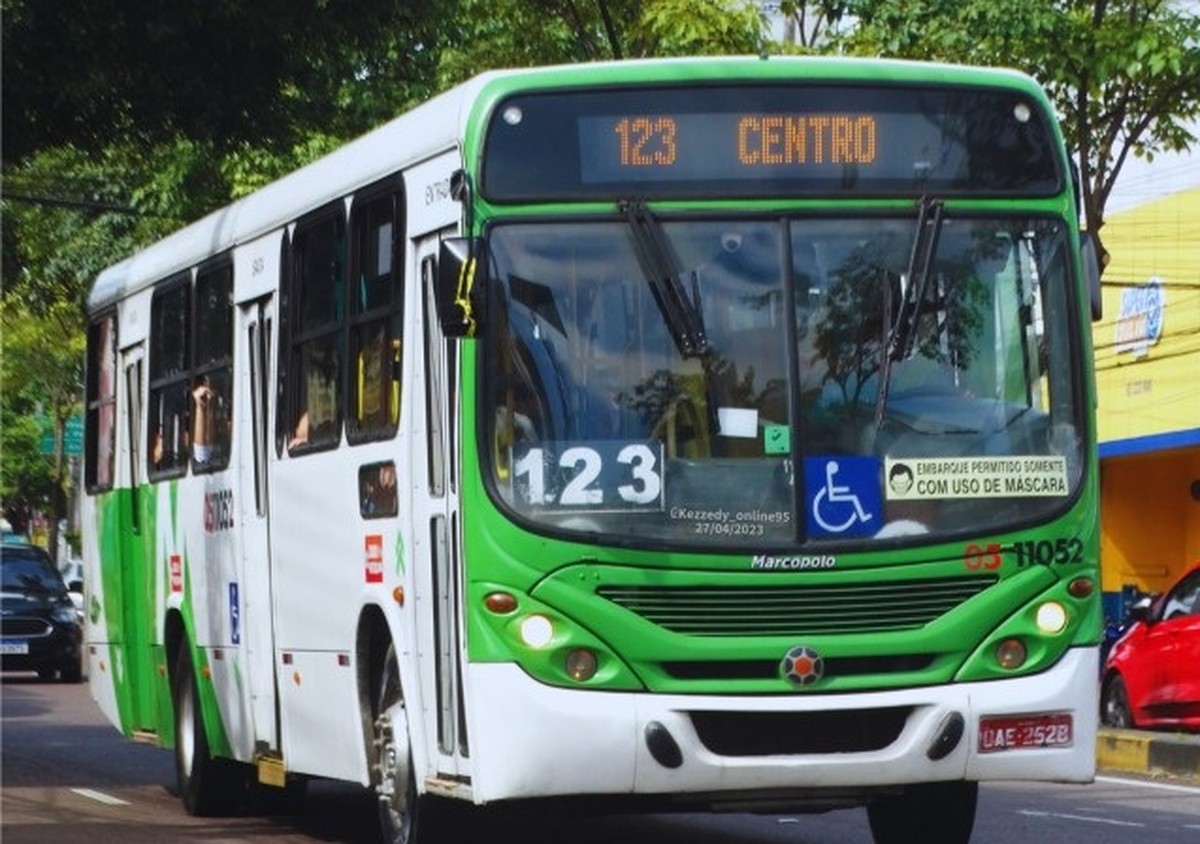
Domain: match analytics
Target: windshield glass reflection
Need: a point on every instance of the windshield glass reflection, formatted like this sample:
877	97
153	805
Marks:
801	363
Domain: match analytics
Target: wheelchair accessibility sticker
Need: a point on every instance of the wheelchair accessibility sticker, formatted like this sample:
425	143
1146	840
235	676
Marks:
844	497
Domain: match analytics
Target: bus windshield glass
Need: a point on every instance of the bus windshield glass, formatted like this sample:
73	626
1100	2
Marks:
795	380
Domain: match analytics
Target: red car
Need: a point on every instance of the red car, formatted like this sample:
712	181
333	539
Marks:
1152	674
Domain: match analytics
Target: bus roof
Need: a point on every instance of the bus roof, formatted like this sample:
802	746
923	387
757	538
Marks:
441	123
360	162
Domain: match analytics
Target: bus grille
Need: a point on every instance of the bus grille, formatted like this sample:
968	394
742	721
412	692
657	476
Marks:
789	733
798	610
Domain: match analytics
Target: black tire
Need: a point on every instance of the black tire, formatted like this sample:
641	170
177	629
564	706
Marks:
270	800
1114	705
405	817
391	761
71	673
926	813
209	787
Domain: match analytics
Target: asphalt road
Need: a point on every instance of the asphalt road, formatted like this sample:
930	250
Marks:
67	777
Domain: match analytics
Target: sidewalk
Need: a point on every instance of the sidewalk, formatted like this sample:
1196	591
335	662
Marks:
1174	756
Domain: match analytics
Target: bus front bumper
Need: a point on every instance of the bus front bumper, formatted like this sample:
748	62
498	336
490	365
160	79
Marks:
529	740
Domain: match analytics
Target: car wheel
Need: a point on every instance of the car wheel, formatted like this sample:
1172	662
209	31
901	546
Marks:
930	813
72	672
1114	705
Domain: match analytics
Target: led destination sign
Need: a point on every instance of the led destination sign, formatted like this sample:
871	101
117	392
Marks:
768	140
756	141
761	139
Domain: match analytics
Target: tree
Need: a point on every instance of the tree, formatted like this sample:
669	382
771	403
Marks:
123	123
42	372
810	23
241	71
1124	75
490	34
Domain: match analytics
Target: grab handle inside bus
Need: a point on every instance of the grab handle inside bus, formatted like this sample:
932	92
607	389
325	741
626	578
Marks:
459	286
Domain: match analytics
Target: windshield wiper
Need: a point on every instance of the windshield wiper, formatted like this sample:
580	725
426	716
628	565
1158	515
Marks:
660	265
901	336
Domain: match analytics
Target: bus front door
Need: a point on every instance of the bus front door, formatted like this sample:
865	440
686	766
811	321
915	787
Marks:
436	529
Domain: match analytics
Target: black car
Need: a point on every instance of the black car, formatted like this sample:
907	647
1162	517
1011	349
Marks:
39	625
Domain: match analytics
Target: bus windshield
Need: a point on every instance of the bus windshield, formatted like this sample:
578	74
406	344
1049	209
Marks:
791	381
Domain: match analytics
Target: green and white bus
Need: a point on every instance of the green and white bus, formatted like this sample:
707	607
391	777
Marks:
706	433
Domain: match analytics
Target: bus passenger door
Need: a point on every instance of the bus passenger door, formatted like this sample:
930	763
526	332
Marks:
436	530
255	604
140	612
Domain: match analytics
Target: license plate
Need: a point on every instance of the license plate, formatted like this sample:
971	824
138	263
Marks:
1017	732
14	648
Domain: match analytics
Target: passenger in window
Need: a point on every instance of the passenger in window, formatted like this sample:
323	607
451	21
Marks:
205	407
300	432
168	448
156	450
377	484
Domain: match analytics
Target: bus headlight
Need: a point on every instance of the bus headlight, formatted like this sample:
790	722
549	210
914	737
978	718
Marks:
536	631
1051	617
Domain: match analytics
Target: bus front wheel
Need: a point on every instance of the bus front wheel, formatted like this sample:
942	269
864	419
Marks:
395	782
207	786
930	813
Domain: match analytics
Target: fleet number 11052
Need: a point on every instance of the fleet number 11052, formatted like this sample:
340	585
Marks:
1044	552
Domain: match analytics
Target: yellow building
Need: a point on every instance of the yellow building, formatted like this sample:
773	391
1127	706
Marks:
1148	379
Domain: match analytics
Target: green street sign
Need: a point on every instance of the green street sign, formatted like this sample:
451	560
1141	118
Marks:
72	438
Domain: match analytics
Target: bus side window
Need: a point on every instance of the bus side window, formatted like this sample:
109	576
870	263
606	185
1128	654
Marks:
101	429
377	490
376	317
315	360
167	449
211	391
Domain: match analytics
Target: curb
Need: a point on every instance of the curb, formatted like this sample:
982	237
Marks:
1160	755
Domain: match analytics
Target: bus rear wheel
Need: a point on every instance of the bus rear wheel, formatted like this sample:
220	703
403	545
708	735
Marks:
207	786
930	813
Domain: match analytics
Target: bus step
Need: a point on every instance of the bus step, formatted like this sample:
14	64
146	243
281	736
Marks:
446	787
271	771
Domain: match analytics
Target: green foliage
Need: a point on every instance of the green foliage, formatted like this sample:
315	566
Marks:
700	27
522	33
489	34
249	168
238	71
26	475
71	215
809	23
1124	75
41	369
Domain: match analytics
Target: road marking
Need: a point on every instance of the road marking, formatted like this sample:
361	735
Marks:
1162	786
1061	816
100	797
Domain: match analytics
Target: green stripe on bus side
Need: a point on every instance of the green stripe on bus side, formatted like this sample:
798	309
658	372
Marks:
134	572
109	530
